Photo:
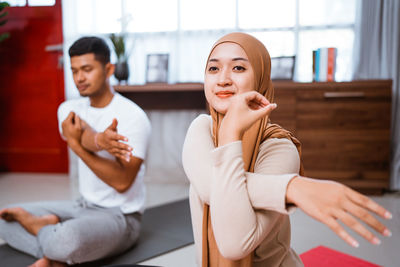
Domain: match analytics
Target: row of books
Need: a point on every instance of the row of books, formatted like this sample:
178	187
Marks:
324	64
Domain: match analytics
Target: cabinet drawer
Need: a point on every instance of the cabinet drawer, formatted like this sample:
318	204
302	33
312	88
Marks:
351	154
345	114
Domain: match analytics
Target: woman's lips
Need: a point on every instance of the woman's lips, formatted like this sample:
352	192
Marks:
224	94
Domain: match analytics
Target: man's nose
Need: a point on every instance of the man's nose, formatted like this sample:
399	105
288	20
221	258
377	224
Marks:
80	76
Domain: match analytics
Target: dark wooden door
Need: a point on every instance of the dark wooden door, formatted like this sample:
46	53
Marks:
31	88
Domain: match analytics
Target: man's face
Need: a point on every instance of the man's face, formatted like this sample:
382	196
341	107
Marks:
89	74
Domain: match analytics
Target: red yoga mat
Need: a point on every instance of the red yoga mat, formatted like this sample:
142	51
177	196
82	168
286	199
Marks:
326	257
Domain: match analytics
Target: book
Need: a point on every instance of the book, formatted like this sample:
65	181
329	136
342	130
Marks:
331	64
324	64
314	53
327	257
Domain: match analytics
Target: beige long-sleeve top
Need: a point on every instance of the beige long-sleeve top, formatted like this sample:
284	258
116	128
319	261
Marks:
248	210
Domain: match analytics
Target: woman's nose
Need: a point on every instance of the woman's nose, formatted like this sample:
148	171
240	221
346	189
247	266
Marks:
224	78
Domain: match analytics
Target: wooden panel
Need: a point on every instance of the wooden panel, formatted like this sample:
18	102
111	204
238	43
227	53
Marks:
166	96
32	87
356	152
343	114
285	114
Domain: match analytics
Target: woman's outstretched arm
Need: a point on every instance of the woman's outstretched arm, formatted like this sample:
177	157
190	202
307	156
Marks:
325	201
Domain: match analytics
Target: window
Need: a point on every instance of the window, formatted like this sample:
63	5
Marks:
151	15
41	2
278	43
320	13
32	2
17	2
207	15
256	14
186	29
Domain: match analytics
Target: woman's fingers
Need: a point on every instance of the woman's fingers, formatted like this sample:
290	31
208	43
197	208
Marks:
356	226
366	217
255	98
368	203
243	111
339	230
259	104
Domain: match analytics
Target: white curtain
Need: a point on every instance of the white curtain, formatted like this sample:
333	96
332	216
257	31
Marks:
377	56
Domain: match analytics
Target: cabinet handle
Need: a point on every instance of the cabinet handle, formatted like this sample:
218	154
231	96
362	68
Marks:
344	94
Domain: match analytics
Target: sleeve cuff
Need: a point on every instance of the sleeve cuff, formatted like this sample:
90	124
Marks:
269	192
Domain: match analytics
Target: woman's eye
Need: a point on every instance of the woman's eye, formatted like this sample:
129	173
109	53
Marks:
212	69
239	68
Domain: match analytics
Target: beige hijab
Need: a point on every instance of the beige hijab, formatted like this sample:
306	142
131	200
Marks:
260	131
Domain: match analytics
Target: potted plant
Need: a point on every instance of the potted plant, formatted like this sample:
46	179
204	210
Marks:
3	20
121	67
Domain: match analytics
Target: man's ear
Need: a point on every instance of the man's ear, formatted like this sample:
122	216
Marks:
110	68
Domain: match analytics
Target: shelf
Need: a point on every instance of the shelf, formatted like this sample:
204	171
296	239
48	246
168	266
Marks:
180	96
163	96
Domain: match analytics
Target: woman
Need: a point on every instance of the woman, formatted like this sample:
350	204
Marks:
244	171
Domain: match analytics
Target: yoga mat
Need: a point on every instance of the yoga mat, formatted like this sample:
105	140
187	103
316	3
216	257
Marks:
327	257
164	228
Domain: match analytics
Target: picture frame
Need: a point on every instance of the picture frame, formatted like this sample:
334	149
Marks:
282	68
157	68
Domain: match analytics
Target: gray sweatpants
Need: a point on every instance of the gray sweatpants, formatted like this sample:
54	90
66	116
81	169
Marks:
86	232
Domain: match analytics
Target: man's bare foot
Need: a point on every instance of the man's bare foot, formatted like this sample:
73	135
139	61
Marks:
30	222
45	262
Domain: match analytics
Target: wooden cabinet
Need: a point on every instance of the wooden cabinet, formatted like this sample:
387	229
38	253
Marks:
344	129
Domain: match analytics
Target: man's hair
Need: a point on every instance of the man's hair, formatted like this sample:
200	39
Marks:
95	45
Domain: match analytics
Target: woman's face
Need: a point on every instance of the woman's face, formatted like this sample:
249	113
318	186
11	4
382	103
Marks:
228	73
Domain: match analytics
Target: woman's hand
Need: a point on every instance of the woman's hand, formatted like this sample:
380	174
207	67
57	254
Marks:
244	110
110	140
328	201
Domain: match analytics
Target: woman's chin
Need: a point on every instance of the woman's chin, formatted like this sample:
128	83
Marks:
221	105
221	110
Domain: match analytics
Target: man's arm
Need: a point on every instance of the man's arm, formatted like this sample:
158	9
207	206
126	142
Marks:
118	173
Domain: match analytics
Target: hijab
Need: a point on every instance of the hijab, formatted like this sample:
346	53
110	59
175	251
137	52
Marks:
260	131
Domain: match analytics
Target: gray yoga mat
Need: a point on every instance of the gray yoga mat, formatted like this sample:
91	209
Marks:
164	228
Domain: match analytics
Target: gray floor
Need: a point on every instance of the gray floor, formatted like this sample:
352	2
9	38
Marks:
306	233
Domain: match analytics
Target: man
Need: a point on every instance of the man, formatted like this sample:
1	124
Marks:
106	219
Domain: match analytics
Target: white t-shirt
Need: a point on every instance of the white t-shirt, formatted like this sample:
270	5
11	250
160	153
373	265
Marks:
133	124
